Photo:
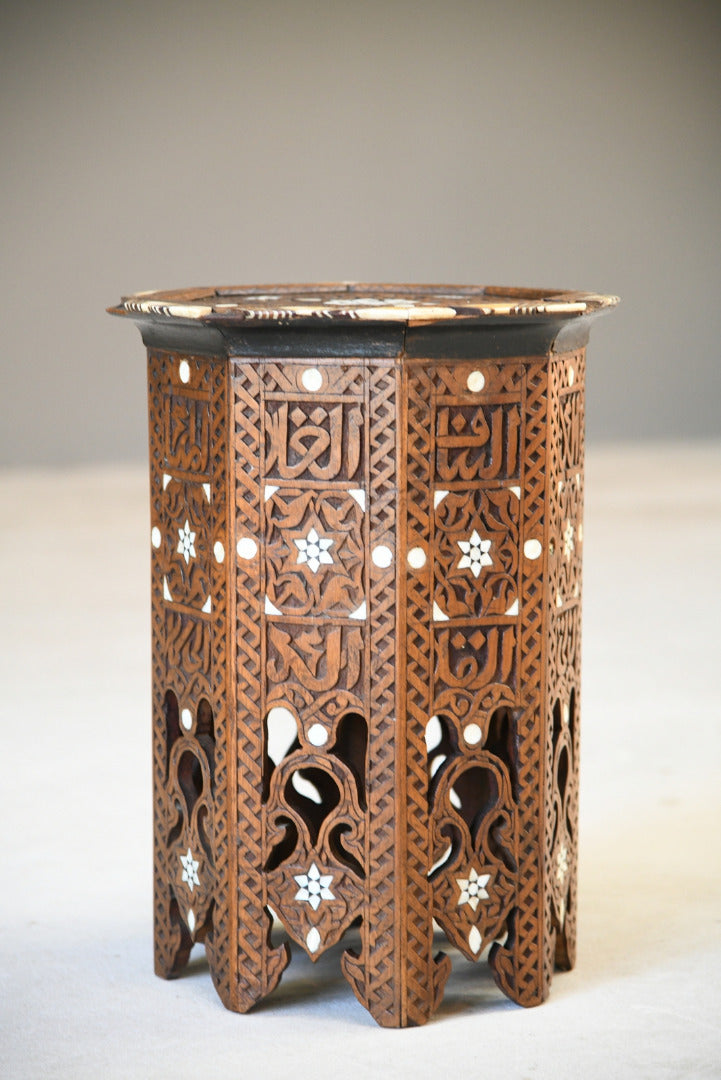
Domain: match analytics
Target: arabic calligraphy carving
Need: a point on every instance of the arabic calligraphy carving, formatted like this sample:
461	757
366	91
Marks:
402	555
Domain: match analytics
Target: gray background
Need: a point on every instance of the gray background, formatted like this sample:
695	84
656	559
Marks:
157	145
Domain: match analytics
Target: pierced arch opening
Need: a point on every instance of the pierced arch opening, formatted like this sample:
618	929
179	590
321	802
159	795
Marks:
190	778
172	725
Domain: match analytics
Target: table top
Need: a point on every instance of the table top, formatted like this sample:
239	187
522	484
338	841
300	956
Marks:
346	301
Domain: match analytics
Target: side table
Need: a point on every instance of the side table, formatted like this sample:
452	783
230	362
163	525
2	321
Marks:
366	537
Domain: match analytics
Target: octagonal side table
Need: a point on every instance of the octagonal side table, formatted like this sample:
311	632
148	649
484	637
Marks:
366	536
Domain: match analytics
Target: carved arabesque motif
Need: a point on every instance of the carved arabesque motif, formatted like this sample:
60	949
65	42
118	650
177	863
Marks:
188	451
370	552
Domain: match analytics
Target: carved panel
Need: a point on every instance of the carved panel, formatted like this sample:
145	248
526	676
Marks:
314	543
476	551
315	643
477	442
188	444
316	439
396	585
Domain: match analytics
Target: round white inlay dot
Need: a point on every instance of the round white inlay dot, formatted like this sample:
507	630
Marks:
155	537
476	381
416	558
532	549
571	376
313	939
474	939
472	734
382	556
312	379
218	551
186	719
184	371
317	735
247	547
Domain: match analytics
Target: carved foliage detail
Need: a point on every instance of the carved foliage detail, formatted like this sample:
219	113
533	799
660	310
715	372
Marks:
493	474
474	842
313	520
187	456
315	834
476	551
314	552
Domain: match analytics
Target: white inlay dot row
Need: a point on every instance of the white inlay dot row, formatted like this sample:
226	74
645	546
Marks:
382	556
416	558
312	379
317	735
472	734
247	548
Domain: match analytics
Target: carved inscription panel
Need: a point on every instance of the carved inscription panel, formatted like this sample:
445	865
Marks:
471	473
474	499
314	535
188	451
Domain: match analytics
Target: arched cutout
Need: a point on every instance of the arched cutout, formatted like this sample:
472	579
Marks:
562	773
477	789
441	743
336	845
203	820
281	733
557	722
285	847
172	725
572	715
314	814
305	788
204	720
501	741
190	777
351	746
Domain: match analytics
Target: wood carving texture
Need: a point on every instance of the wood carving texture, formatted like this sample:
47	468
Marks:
383	559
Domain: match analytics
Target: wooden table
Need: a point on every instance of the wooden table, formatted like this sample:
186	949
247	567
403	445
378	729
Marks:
366	536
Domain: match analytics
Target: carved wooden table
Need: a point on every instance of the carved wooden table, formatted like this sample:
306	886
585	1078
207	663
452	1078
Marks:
366	578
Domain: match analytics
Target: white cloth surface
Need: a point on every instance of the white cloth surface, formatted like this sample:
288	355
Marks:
78	997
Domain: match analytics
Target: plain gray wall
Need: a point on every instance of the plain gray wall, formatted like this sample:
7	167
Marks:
157	145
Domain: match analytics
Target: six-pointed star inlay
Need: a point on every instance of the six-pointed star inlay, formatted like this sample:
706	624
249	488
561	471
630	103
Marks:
314	551
190	869
473	888
475	553
186	545
314	887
